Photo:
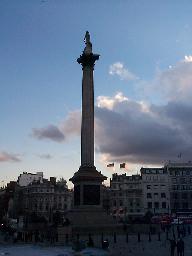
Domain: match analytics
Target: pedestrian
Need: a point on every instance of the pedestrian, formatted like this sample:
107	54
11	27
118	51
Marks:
180	247
172	246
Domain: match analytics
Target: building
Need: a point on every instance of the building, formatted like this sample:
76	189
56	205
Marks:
25	178
156	196
6	200
41	197
44	199
180	186
126	196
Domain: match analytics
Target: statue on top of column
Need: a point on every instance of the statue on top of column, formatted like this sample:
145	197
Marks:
88	48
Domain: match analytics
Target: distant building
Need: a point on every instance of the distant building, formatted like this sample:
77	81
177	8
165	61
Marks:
180	181
126	196
25	178
6	200
106	197
156	196
46	198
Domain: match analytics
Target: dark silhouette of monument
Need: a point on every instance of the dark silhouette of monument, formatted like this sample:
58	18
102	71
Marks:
87	214
87	181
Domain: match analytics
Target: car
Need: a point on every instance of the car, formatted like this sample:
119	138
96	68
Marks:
177	222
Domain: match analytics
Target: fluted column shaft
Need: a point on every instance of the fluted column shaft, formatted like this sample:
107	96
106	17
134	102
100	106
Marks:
87	125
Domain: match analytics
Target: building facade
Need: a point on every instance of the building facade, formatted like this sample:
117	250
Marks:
155	185
126	196
43	198
180	186
26	178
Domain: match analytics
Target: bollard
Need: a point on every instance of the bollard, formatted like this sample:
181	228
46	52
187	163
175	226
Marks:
159	236
90	241
102	239
167	235
139	237
127	237
149	237
66	238
115	238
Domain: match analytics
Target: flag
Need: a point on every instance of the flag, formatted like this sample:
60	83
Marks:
122	165
110	165
179	156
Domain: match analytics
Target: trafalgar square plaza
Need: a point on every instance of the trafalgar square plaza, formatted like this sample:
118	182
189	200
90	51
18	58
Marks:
88	229
96	118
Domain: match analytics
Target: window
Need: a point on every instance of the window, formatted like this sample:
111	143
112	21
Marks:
120	203
156	204
149	205
155	194
163	195
155	186
164	205
185	205
114	203
182	180
175	195
176	205
148	186
149	195
184	195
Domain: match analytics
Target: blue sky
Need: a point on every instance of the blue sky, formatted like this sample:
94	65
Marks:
40	80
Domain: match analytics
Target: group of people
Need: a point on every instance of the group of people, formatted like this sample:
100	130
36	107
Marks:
179	245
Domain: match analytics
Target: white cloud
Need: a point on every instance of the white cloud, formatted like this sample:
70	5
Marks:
188	58
72	124
109	102
118	69
136	132
45	156
59	133
175	83
9	157
50	132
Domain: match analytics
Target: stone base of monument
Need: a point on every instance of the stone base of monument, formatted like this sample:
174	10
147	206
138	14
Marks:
88	221
85	221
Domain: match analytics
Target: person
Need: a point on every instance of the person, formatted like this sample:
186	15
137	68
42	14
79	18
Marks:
172	246
180	247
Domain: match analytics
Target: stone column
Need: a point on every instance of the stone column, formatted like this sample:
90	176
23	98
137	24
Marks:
87	180
87	60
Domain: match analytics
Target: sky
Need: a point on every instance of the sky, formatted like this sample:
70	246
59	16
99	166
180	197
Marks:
143	84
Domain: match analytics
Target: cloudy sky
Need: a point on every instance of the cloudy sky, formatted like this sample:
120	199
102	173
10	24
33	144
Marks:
143	84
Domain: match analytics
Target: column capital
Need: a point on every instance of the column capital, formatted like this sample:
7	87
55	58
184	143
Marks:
88	60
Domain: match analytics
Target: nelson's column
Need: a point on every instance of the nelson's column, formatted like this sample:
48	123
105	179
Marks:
87	180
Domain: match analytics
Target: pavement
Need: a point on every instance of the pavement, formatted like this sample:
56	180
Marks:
120	248
146	247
